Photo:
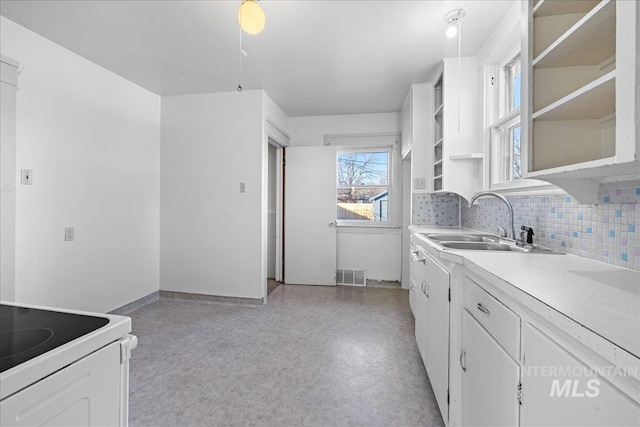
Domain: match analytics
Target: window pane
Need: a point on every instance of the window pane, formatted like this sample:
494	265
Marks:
363	204
515	138
514	77
365	168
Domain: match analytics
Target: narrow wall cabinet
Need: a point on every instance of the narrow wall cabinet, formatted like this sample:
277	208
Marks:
416	128
455	153
580	92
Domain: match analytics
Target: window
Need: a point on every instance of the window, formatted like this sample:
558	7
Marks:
363	185
505	130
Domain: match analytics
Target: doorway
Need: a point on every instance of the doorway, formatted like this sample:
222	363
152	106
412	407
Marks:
274	216
273	185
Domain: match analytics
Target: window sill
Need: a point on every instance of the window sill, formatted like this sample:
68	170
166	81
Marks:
346	225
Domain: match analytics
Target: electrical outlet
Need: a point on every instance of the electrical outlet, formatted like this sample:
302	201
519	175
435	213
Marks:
243	187
26	176
419	183
69	234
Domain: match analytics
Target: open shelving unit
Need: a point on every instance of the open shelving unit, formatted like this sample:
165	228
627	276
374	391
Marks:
574	83
455	152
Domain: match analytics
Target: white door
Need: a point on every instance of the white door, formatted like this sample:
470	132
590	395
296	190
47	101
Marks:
437	332
490	378
310	216
567	392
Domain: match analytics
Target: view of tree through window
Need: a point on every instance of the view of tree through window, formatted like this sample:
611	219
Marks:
363	186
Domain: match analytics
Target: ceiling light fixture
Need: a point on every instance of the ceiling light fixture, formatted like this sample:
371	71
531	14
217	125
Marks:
453	19
251	16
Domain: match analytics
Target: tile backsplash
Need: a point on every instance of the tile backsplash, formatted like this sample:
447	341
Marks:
606	232
435	209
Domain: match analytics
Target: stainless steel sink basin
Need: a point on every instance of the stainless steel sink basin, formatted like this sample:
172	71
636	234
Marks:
482	246
484	242
462	237
496	246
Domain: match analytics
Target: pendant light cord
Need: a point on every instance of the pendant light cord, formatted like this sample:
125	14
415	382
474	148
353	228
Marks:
239	88
459	65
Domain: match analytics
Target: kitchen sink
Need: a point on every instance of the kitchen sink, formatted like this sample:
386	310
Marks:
462	237
484	242
483	246
497	246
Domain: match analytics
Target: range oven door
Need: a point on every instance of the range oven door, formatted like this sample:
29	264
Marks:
87	392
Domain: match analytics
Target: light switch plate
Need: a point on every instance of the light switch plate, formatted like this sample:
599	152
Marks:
419	183
26	176
69	234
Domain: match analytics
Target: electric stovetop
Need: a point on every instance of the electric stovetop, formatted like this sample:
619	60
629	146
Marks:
26	333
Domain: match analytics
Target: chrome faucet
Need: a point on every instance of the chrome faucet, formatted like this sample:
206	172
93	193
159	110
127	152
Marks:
506	202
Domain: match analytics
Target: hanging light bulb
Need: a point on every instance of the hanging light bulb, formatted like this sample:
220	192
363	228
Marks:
251	16
453	19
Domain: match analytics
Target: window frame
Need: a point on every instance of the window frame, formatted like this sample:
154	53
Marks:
389	186
497	119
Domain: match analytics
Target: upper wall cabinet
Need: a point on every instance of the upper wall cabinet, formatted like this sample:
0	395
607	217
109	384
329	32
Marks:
416	132
455	154
580	92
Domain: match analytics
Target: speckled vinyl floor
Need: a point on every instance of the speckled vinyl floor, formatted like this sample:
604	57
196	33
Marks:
313	356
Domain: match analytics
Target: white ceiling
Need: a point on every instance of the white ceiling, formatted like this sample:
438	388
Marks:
313	57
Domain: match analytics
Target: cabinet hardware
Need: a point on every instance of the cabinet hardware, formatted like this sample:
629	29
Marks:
425	287
463	365
424	261
415	253
519	394
483	309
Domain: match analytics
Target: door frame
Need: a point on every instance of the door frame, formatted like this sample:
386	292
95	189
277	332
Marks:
279	139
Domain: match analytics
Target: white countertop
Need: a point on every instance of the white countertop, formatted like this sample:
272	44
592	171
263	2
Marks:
597	303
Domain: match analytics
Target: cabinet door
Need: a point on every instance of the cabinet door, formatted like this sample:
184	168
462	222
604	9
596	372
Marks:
437	332
421	321
559	390
490	378
406	125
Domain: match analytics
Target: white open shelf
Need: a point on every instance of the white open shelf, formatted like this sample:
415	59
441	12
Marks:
593	101
562	7
470	156
590	41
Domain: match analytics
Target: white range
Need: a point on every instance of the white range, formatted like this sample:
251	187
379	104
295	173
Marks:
63	367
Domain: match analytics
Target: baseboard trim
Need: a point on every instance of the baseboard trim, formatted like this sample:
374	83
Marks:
386	284
135	305
255	302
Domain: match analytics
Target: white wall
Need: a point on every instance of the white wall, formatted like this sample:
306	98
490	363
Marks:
375	249
92	140
311	130
211	235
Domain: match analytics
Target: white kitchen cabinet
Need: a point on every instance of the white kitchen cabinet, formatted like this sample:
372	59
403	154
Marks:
455	154
436	290
580	85
490	378
429	299
415	133
559	389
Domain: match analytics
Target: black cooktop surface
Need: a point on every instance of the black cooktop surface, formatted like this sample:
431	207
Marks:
26	333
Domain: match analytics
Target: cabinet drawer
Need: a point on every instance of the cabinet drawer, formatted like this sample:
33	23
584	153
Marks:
496	318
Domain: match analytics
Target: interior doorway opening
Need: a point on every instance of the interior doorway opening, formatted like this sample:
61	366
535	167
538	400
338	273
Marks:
275	217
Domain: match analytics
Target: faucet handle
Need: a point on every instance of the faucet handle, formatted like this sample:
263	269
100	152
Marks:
501	231
529	232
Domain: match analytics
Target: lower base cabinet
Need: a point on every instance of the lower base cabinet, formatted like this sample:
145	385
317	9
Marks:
559	390
490	378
